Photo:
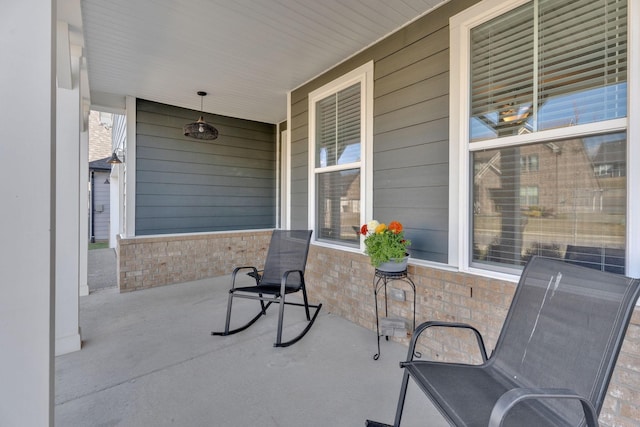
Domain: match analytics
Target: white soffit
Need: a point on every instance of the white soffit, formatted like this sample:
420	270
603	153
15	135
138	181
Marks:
247	54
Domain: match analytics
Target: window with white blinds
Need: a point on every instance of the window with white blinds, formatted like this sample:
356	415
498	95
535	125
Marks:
548	64
337	172
547	83
338	128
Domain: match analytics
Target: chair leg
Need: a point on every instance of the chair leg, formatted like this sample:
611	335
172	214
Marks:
297	338
401	399
228	321
280	318
262	306
306	302
228	331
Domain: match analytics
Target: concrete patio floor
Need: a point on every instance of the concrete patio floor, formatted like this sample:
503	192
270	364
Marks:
148	359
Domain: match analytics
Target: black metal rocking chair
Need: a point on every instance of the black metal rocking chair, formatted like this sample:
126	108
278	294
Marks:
283	274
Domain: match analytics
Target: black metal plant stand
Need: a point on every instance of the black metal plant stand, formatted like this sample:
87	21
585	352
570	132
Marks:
380	280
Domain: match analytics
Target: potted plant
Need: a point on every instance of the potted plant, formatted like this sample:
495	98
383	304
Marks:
386	245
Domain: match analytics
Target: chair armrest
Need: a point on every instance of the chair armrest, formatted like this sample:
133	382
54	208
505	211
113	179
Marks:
424	326
256	274
237	270
285	276
512	397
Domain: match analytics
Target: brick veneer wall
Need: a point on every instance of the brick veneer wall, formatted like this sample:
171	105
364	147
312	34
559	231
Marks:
145	262
342	281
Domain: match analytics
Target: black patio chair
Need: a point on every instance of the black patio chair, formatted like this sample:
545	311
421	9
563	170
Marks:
553	359
283	274
603	259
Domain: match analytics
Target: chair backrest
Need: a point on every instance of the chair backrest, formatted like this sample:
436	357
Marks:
288	250
604	259
565	329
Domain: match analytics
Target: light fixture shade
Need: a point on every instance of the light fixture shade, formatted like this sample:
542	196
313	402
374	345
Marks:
200	130
114	160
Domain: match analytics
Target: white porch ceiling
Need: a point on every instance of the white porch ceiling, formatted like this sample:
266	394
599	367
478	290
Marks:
247	54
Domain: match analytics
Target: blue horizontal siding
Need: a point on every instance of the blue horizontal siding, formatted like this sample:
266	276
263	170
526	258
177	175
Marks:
184	185
411	131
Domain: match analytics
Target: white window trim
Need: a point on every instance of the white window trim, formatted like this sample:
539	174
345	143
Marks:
285	180
364	76
459	188
285	206
633	135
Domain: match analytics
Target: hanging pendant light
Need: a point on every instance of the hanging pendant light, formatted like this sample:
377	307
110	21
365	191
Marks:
114	160
200	129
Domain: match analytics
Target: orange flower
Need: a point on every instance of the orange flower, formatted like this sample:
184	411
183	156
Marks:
395	227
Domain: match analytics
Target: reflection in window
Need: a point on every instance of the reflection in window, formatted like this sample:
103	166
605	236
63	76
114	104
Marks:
338	195
567	208
529	163
529	195
562	66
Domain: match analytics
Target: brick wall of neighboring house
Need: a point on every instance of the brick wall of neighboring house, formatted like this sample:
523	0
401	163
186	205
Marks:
343	282
99	138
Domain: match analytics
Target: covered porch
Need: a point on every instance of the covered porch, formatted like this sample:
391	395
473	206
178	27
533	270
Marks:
414	162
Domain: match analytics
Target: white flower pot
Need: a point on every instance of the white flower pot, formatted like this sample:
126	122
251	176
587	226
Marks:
394	265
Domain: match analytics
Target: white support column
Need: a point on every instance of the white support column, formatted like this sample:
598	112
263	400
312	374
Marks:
67	229
117	177
83	237
115	213
130	178
27	217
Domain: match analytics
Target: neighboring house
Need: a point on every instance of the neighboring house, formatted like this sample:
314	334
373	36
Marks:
100	143
99	207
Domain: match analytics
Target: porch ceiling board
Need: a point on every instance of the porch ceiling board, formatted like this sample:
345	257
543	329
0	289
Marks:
246	53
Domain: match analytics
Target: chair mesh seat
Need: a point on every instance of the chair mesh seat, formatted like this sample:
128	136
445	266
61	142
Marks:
267	289
468	393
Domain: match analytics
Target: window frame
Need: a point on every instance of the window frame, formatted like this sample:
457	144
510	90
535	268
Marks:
364	76
460	186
